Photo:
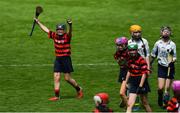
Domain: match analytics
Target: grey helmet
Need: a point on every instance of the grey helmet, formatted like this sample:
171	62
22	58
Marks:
61	26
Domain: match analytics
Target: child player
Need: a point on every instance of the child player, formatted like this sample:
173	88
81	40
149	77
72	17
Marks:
121	56
143	50
165	51
62	63
101	101
137	78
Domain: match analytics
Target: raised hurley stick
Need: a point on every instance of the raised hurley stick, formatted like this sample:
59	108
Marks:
39	10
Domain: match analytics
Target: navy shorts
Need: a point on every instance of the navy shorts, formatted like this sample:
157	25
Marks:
63	64
134	82
122	74
163	72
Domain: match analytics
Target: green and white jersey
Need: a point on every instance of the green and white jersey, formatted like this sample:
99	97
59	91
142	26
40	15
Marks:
142	44
161	50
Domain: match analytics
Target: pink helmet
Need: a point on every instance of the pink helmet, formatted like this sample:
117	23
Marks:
121	40
176	85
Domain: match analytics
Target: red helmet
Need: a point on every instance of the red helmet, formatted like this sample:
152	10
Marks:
101	98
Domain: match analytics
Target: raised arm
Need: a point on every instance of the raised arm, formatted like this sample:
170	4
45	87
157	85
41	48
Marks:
69	21
43	27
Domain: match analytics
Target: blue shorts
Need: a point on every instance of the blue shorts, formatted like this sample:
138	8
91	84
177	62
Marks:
163	72
134	82
122	74
63	64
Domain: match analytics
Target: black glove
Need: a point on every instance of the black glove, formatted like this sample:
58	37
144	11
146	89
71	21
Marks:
69	21
140	90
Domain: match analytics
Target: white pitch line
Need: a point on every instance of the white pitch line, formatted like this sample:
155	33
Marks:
46	65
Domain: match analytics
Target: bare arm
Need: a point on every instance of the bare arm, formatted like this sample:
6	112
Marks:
148	63
142	80
127	76
43	27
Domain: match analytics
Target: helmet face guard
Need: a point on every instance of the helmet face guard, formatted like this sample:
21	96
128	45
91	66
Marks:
121	47
136	35
135	31
133	53
133	50
165	32
60	29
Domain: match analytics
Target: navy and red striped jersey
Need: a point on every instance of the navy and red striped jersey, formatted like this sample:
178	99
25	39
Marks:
61	43
122	58
173	105
137	67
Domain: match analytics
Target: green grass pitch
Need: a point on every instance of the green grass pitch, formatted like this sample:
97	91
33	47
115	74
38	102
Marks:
96	23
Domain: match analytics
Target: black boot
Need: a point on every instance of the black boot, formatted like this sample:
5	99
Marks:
160	98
